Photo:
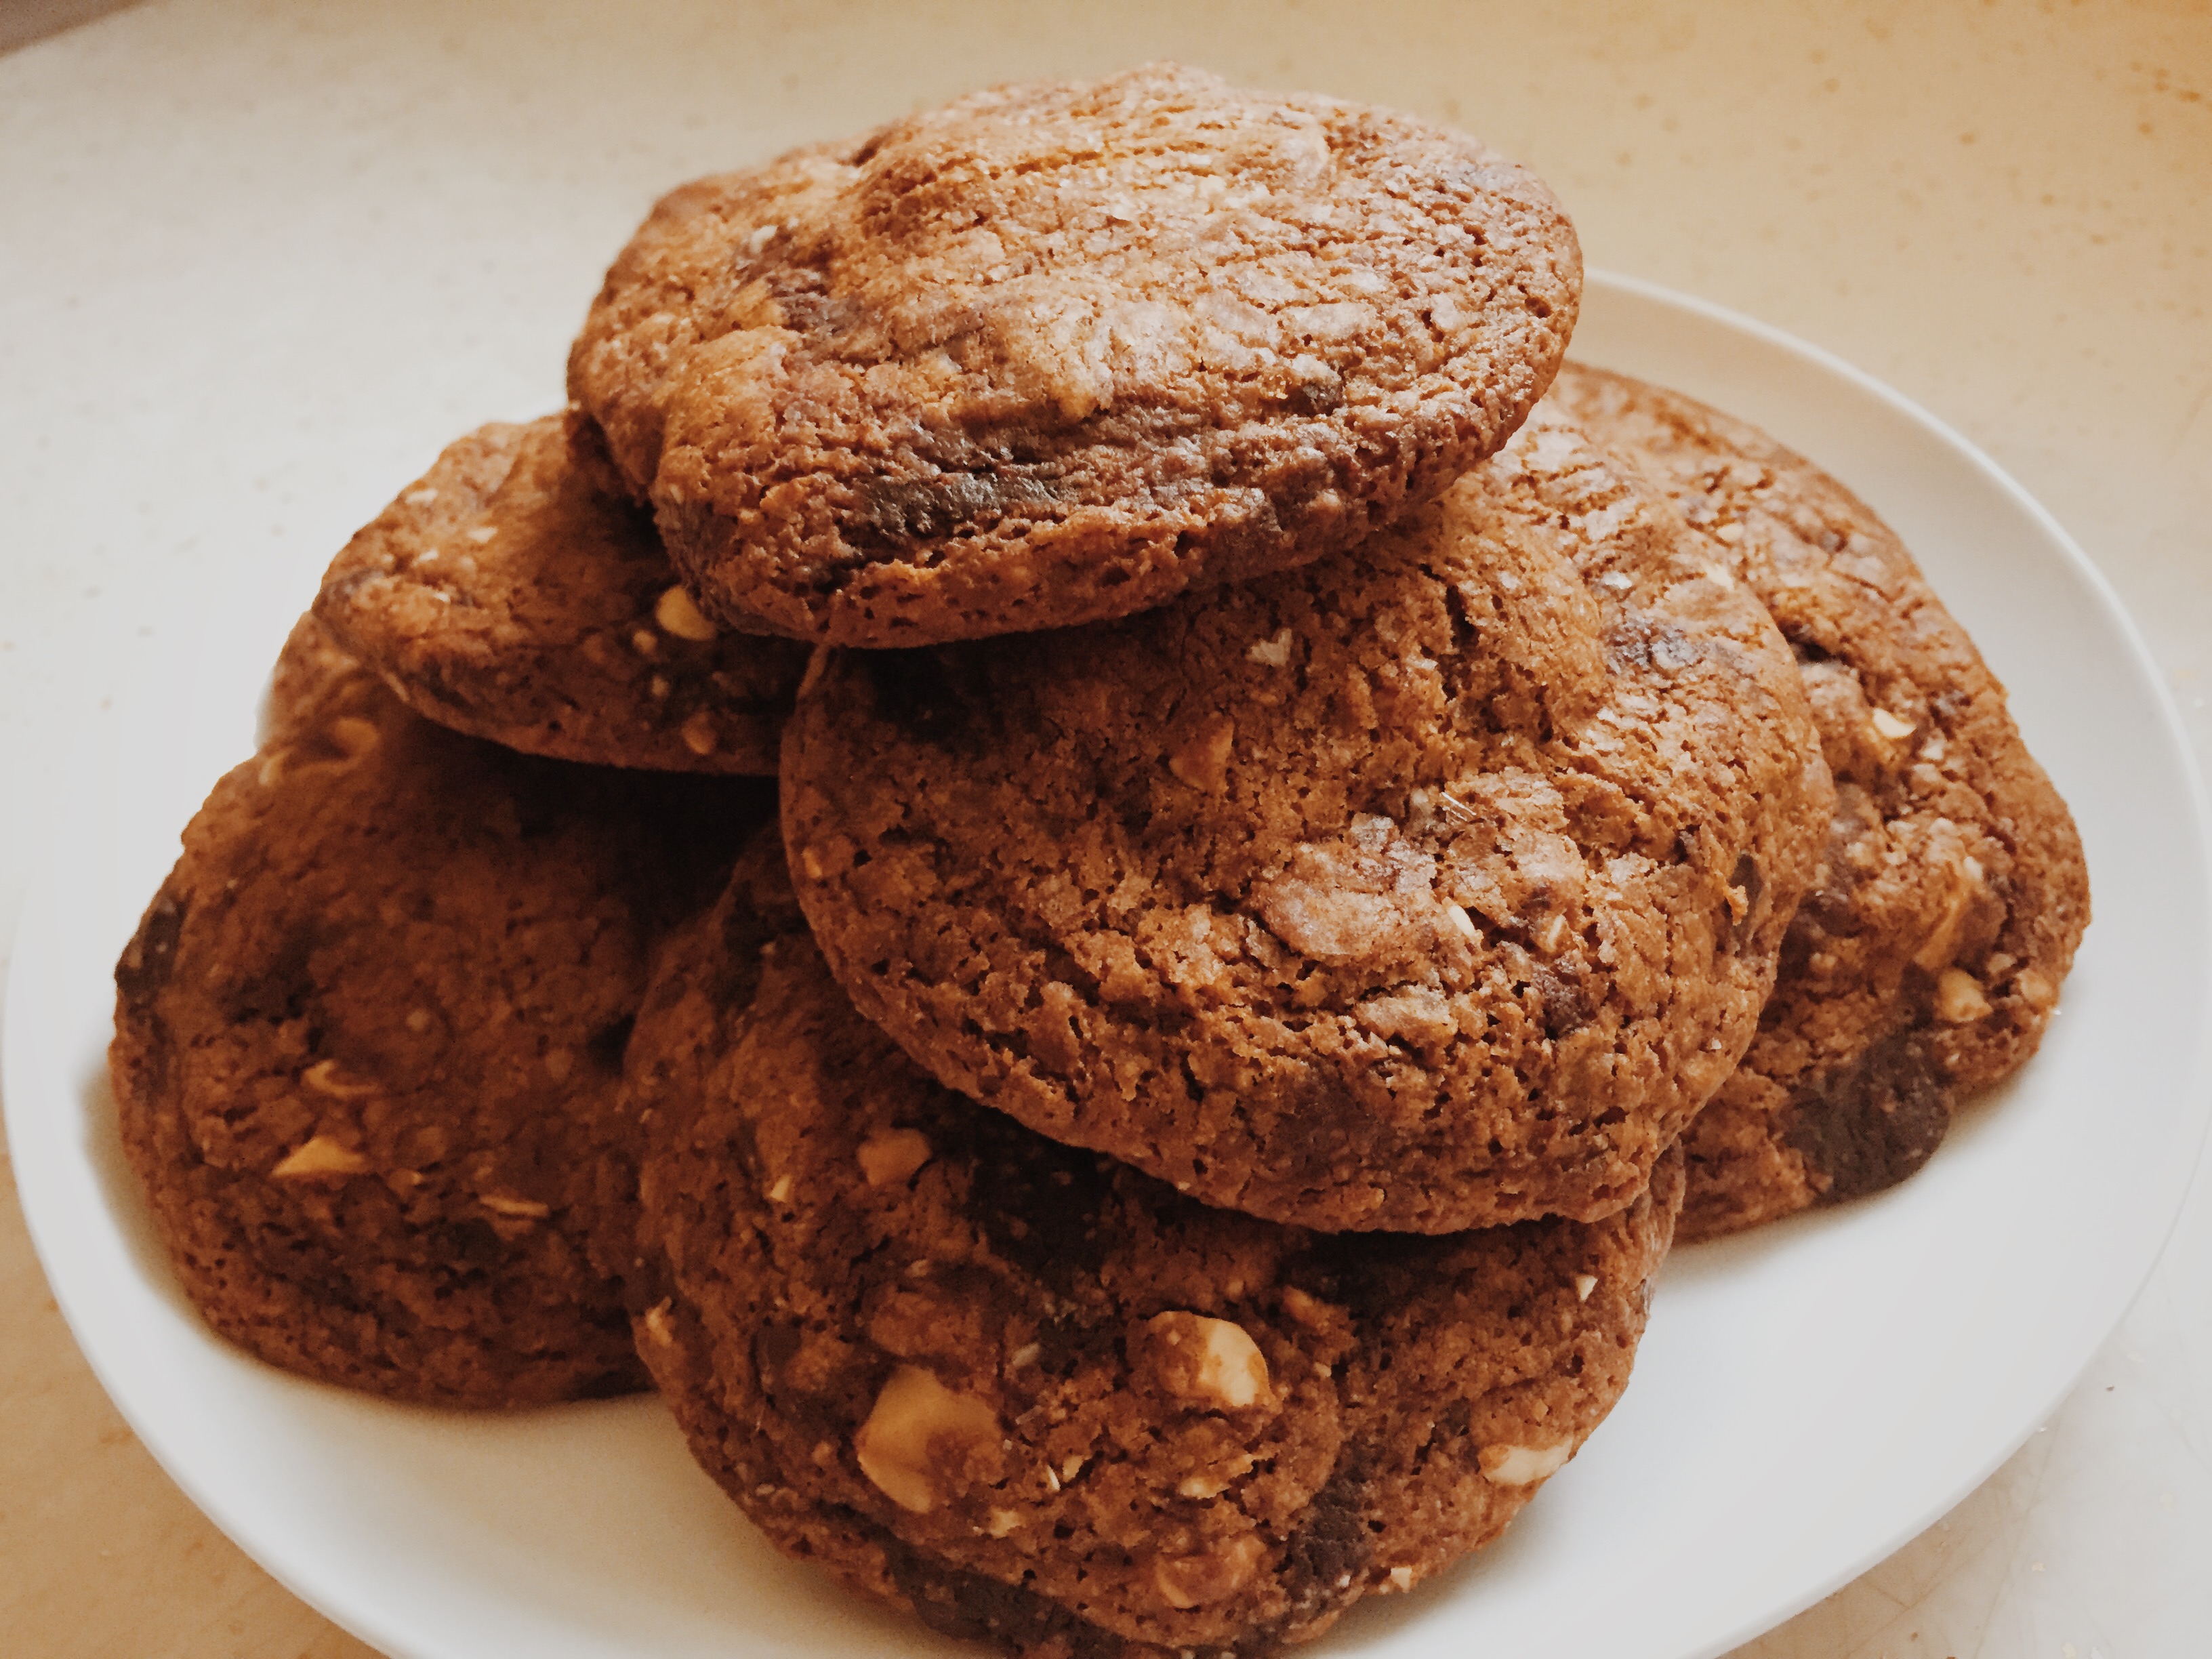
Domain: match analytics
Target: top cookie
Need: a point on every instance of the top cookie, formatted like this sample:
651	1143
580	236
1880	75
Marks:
514	592
1056	352
1926	962
1434	885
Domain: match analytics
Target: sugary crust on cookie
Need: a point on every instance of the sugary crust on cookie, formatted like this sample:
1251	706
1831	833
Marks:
513	592
1043	1400
1926	962
1433	886
1055	352
367	1034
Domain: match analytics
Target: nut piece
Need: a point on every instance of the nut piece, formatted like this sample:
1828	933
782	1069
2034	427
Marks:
522	1209
1521	1466
1192	1581
1966	888
1212	1363
1584	1283
1959	999
677	614
321	1155
325	1079
354	736
1274	652
922	1439
1203	763
698	733
893	1155
1891	727
1210	1483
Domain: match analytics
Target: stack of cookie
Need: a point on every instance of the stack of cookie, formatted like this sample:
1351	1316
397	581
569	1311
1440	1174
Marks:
1312	841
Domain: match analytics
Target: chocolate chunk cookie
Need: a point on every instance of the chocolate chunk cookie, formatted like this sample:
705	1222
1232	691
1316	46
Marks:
1043	1400
1056	352
1926	962
1434	885
513	592
369	1032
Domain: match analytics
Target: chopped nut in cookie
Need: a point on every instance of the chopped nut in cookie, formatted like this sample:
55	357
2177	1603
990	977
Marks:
1522	1465
519	1209
1203	763
699	733
1213	1363
1193	1581
892	1155
924	1442
1958	998
325	1078
678	614
320	1156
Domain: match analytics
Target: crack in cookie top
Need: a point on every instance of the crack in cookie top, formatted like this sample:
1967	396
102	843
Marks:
1431	886
1055	352
1926	962
514	592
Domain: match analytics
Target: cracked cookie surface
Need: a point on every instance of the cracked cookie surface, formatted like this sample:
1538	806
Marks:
514	592
1041	1399
369	1028
1057	351
1434	885
1925	962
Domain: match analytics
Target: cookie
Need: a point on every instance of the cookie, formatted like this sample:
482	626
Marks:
368	1033
1434	885
513	592
1041	1399
1926	962
1056	352
312	666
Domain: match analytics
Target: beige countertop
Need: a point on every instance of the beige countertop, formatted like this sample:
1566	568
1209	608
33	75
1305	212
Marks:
258	261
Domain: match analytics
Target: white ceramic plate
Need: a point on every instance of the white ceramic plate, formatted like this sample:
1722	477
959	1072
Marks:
1807	1397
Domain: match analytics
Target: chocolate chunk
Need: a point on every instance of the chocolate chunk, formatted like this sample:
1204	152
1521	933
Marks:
1871	1125
150	958
1332	1547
